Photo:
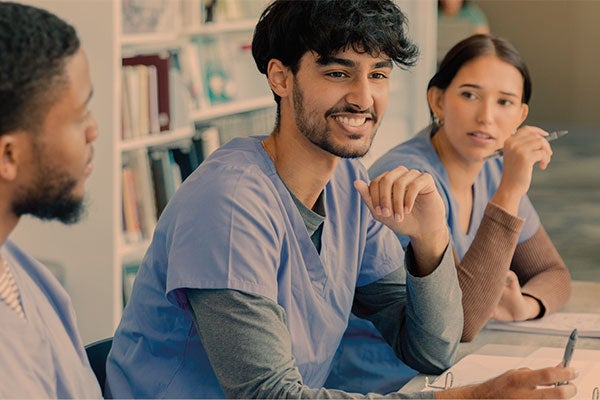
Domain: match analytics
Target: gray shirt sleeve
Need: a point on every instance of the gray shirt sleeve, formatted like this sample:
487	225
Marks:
249	347
421	319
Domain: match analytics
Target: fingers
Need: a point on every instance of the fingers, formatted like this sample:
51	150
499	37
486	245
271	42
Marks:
394	193
530	142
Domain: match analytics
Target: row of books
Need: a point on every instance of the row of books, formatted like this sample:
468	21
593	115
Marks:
160	90
154	97
150	177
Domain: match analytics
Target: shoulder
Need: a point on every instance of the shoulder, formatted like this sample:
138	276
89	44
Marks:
416	153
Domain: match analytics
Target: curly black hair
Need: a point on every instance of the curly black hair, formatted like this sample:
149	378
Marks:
287	29
34	47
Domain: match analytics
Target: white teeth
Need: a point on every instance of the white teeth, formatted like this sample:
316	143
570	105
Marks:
480	135
351	121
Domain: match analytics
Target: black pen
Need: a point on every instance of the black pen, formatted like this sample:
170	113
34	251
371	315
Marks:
569	352
551	136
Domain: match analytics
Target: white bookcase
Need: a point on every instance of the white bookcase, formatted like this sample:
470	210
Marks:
91	254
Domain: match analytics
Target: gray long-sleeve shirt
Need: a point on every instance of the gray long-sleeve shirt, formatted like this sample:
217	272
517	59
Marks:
422	324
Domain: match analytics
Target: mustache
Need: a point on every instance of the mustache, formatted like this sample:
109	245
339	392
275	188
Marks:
350	110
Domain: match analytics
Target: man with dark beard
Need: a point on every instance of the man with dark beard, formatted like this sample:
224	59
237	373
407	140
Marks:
46	131
259	258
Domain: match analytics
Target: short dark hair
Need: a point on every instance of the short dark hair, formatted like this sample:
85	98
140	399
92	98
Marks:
34	47
287	29
477	46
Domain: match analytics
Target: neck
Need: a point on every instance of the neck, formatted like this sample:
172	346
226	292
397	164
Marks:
462	173
304	167
8	219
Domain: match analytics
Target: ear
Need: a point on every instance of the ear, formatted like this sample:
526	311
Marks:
435	96
524	112
9	154
279	77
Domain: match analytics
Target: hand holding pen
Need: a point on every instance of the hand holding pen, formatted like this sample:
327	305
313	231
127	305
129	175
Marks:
568	352
551	136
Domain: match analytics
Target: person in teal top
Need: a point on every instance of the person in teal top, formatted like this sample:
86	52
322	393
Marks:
479	97
46	136
457	20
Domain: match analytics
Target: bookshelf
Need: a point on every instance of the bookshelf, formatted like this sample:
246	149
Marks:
94	255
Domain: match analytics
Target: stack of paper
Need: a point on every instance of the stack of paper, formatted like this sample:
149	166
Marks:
587	324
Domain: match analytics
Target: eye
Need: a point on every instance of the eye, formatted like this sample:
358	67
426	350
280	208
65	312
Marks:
379	75
505	102
468	95
337	74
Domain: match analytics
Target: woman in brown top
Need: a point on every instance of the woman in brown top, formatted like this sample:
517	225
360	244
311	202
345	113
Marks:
507	266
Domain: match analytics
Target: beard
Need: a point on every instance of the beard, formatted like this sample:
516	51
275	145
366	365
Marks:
318	132
49	196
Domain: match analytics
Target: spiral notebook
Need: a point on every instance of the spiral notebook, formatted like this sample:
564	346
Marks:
477	368
560	323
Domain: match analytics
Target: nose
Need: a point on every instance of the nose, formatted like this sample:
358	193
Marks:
91	132
485	112
361	94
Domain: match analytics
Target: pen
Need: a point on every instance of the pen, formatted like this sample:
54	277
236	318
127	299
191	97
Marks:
568	352
551	136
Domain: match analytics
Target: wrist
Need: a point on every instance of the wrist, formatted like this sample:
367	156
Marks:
428	250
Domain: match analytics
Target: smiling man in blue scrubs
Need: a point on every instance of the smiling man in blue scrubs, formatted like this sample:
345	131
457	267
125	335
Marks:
260	257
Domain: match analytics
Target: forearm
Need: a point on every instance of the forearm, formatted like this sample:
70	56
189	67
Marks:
482	271
249	347
434	317
542	272
422	319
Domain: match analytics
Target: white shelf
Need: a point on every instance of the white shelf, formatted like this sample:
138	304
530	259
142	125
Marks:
157	139
234	107
215	28
153	38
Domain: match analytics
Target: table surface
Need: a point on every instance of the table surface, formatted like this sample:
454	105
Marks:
585	297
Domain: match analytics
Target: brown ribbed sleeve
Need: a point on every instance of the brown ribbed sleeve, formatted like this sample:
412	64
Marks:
542	272
482	271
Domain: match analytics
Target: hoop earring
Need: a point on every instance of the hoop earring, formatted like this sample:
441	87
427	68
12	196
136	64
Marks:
438	121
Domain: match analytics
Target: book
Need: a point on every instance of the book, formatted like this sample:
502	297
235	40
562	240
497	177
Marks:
186	158
480	367
560	323
162	63
139	163
131	220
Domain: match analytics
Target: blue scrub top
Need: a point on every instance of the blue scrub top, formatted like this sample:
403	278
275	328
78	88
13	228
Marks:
41	356
364	361
418	153
234	225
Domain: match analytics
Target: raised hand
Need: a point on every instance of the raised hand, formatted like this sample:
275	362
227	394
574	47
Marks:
408	202
521	151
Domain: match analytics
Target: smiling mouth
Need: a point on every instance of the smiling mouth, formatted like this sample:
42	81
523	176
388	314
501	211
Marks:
354	121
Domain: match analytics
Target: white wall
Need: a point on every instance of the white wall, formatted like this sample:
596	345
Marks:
86	250
407	111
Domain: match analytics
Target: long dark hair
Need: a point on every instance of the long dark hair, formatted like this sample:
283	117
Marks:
477	46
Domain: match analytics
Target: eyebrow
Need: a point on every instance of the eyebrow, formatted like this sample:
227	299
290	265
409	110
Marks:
349	63
471	85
